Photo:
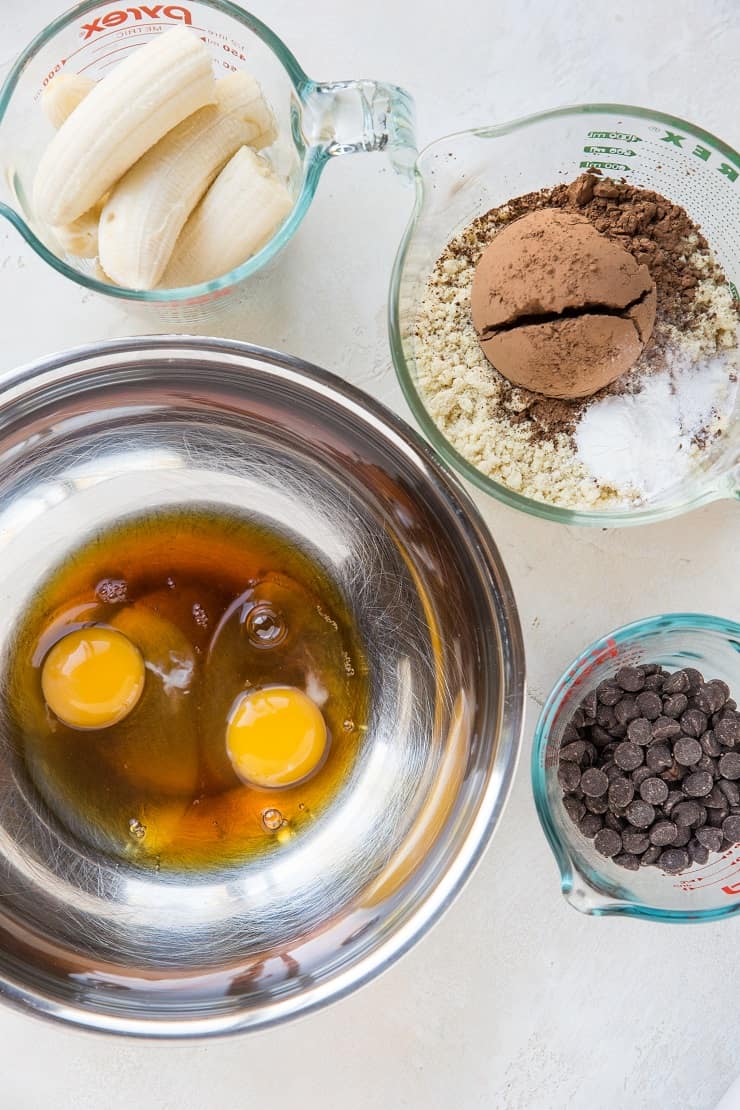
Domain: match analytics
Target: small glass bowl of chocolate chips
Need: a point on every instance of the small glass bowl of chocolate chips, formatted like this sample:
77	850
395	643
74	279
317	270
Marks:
636	771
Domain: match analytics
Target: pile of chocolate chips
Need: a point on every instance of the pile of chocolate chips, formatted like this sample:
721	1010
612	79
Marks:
650	768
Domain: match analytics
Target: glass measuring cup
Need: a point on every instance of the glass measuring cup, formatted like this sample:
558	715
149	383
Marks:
462	176
591	883
316	121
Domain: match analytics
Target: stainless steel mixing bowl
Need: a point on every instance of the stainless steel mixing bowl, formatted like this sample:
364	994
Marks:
87	438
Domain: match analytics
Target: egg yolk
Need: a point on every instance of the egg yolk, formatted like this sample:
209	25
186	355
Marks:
92	678
275	736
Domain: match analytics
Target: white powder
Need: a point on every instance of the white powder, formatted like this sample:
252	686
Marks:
642	444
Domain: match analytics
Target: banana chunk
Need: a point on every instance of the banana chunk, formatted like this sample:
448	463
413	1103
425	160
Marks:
60	98
149	206
151	91
241	212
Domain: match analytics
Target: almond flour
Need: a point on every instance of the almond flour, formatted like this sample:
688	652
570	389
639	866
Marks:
531	443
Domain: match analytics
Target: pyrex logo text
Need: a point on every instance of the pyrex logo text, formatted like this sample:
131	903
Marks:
123	15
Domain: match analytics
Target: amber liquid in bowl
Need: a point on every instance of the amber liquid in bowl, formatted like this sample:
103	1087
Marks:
217	605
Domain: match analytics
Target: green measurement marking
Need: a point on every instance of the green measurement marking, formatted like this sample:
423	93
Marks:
619	151
593	164
621	136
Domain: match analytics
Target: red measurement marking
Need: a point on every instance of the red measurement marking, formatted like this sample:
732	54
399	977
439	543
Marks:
118	32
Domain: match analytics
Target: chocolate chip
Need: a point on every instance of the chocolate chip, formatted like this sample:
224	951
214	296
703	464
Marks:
590	825
630	678
654	790
599	736
650	856
596	805
674	860
683	836
570	734
626	710
694	722
569	776
696	678
654	682
687	751
574	808
663	833
588	705
607	842
651	668
674	705
573	752
605	717
710	838
608	693
715	799
658	757
676	683
695	785
639	776
628	756
731	829
649	704
729	765
640	814
621	792
629	862
710	697
635	842
727	732
664	728
611	821
710	744
716	817
706	763
674	797
594	783
687	814
697	852
730	790
639	731
612	771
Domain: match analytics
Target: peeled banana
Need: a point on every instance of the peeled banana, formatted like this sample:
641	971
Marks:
149	206
59	100
241	212
81	236
62	95
152	90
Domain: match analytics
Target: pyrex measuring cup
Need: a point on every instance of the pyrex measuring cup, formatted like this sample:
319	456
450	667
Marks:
462	176
590	882
316	121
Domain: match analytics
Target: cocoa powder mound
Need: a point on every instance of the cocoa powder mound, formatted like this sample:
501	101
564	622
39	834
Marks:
655	231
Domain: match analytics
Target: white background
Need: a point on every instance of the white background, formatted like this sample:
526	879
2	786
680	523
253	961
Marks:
514	1001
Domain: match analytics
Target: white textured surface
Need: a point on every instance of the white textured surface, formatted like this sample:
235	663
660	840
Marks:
514	1001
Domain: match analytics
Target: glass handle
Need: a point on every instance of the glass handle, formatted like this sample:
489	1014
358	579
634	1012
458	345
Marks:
350	117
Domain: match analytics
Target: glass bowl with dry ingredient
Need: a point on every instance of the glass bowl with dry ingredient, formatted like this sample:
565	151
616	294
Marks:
636	771
663	436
